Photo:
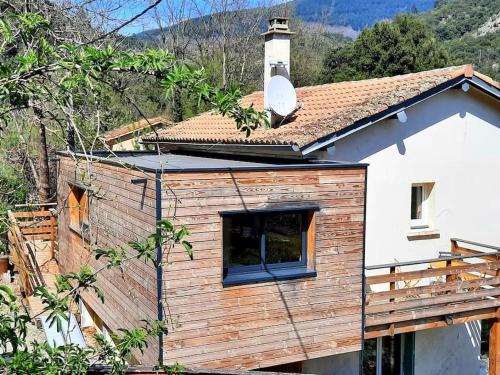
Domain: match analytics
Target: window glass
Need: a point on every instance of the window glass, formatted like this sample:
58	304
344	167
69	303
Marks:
391	355
83	209
262	241
241	240
79	210
416	202
283	235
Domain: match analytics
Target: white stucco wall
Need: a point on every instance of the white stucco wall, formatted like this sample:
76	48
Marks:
448	350
340	364
452	140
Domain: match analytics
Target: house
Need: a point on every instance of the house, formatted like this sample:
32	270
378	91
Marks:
126	138
278	253
432	142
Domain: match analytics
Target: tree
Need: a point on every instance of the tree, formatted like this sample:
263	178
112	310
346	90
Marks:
56	84
404	45
308	51
227	40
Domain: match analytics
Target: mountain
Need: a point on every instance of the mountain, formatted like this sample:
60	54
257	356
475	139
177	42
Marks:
356	14
346	17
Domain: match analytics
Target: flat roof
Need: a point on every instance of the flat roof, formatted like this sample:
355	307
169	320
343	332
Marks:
175	162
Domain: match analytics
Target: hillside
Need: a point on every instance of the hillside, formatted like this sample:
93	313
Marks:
452	19
357	14
346	17
470	31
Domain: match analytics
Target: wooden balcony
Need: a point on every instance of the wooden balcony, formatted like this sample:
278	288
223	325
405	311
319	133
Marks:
33	248
460	286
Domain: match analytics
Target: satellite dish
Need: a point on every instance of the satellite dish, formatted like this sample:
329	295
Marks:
281	96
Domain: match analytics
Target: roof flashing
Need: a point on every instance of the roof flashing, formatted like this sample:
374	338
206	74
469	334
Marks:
176	162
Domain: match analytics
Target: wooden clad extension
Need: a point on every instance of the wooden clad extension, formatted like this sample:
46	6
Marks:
267	323
248	326
120	211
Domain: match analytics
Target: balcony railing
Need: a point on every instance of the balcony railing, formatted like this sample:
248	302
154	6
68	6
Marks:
32	242
460	286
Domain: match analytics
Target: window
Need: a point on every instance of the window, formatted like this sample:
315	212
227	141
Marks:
78	210
266	245
420	205
390	355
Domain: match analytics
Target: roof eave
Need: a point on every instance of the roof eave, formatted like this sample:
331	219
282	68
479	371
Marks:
484	86
375	118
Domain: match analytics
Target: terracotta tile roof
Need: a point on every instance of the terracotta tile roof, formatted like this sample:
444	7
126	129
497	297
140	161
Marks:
116	134
325	109
488	80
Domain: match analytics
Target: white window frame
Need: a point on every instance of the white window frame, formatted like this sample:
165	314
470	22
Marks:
424	221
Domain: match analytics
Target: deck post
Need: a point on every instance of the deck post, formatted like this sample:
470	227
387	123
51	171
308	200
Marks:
52	234
392	286
449	263
494	349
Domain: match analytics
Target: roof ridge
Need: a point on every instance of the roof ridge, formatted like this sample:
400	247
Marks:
458	68
133	126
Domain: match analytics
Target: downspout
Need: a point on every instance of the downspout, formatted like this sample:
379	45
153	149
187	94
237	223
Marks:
159	269
363	278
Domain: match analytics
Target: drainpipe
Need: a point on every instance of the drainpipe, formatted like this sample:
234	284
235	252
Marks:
159	269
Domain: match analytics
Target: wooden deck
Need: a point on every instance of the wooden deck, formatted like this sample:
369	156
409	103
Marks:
459	287
33	245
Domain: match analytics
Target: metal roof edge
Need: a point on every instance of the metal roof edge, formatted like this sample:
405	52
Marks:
484	86
304	165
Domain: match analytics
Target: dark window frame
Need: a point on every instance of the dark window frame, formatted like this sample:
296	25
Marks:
272	271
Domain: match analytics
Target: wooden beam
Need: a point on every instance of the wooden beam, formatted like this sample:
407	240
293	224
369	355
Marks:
431	289
432	272
465	251
430	323
53	228
432	301
392	287
430	312
31	214
494	349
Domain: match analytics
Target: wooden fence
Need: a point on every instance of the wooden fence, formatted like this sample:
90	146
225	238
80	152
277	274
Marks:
26	229
459	287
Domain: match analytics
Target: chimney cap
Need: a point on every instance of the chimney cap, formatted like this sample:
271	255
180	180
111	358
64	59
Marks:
278	25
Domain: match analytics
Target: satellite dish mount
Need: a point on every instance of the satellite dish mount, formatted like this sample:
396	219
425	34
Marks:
281	97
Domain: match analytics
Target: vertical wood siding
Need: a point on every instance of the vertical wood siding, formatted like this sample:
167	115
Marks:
268	323
120	211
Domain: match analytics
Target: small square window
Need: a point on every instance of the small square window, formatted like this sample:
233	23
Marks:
78	203
265	245
420	205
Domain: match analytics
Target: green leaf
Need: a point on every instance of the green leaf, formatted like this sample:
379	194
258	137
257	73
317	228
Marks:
189	248
181	234
8	292
165	225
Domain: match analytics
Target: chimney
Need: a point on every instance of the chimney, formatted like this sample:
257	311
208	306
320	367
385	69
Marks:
276	53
